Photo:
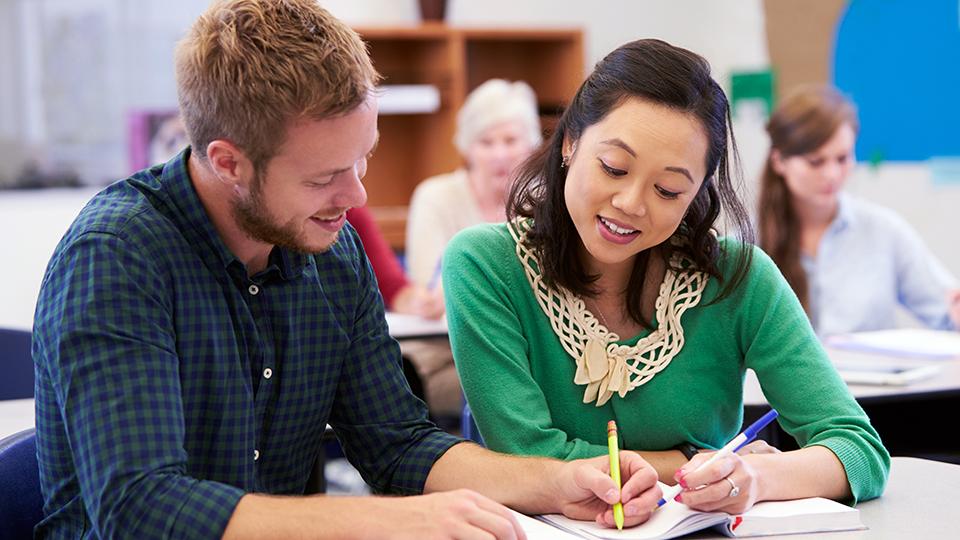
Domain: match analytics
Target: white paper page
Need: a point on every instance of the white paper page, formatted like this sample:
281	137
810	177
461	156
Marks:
772	517
538	530
889	375
783	509
916	342
671	520
402	325
798	516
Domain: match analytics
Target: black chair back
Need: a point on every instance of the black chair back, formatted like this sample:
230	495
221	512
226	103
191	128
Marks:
17	362
21	504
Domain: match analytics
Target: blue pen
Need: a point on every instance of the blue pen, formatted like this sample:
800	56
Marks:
737	443
435	278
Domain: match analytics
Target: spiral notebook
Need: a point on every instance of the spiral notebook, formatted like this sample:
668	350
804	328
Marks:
766	518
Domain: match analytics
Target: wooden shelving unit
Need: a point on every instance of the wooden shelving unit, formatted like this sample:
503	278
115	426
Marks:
455	60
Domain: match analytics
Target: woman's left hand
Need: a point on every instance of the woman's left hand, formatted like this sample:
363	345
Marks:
758	446
730	484
953	304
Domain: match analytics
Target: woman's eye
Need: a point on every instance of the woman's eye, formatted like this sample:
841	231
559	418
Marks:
611	170
666	194
815	162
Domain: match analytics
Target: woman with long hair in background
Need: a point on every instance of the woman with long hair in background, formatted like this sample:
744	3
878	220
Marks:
849	261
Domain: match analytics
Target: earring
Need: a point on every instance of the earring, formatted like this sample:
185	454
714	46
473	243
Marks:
564	162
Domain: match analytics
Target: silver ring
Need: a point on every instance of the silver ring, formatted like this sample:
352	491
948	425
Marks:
734	489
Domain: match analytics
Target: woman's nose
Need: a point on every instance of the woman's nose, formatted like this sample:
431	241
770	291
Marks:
631	200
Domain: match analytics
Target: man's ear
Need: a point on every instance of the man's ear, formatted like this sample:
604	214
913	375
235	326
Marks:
230	165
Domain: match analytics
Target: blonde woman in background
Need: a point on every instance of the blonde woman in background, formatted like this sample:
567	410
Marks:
850	262
497	128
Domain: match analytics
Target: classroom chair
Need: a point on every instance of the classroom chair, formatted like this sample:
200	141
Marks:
15	357
468	428
21	504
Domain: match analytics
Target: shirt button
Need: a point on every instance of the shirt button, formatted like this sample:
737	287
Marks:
267	373
256	454
253	289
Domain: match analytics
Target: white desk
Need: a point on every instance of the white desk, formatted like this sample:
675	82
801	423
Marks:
887	406
32	222
404	326
16	415
919	502
945	382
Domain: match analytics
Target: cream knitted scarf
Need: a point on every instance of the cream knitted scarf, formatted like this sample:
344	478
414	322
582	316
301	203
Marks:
603	365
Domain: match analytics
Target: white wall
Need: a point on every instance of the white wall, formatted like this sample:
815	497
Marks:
729	33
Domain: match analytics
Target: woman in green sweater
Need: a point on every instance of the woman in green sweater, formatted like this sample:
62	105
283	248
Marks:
607	295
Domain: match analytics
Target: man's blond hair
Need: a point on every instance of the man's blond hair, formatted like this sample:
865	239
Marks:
247	68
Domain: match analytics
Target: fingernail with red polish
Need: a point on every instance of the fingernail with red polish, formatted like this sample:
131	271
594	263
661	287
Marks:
677	498
682	482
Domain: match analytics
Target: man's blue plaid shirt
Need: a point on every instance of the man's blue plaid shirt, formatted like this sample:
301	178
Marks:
169	383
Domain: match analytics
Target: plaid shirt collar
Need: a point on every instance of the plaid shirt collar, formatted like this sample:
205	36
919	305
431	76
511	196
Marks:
191	217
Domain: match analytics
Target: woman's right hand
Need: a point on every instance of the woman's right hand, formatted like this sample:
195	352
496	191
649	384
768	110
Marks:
758	447
414	300
953	305
731	484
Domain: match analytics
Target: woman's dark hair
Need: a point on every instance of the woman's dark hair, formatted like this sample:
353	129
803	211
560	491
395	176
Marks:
659	73
803	122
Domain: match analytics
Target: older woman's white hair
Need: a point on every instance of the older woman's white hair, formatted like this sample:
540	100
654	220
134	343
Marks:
492	103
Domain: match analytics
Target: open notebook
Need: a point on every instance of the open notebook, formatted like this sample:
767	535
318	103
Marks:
765	518
884	374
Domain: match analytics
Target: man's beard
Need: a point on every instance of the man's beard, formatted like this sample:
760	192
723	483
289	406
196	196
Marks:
255	221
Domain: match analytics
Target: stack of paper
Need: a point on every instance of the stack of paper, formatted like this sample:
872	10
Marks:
887	375
913	342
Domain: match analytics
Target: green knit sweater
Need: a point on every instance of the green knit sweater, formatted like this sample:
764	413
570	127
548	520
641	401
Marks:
519	380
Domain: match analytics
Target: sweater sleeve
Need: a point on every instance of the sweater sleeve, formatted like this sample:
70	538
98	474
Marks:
492	351
798	379
386	267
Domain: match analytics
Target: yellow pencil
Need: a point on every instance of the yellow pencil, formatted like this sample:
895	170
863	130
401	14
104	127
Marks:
615	470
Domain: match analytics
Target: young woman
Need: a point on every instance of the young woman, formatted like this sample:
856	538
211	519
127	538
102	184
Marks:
607	295
850	262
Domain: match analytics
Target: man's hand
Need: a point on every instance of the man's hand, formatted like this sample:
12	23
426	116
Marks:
453	514
586	491
461	514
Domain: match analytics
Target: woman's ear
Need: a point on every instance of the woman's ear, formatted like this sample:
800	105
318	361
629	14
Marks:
568	149
777	162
